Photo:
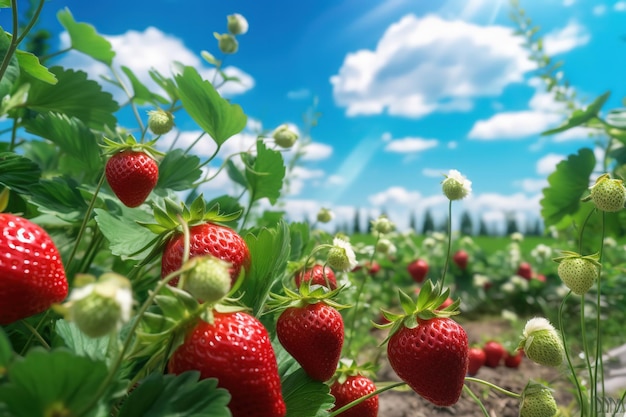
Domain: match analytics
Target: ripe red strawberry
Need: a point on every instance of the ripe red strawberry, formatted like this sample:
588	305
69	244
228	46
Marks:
207	238
353	388
372	267
524	270
461	258
235	349
132	175
318	274
477	358
32	277
313	335
495	353
431	358
418	270
513	359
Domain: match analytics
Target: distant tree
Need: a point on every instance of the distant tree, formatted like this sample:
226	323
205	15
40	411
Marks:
443	226
369	223
483	230
511	224
429	223
413	222
356	226
467	227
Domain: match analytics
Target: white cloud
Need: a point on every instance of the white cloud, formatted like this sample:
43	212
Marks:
422	65
316	151
568	3
410	145
620	6
571	36
513	125
397	195
300	176
532	185
299	94
575	133
150	49
547	164
599	10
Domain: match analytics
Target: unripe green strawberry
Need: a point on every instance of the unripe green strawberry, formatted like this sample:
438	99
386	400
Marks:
209	279
160	121
325	215
578	272
541	342
226	43
341	256
537	401
284	137
237	24
99	308
608	194
456	186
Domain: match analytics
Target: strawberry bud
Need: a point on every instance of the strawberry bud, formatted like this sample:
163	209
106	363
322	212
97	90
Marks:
237	24
456	186
382	225
541	342
341	256
608	194
284	137
325	215
99	308
227	43
537	401
385	246
209	279
160	121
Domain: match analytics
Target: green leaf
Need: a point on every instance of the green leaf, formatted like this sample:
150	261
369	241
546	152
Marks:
566	187
5	3
142	94
6	352
85	39
127	238
300	236
79	343
235	174
46	379
579	117
269	251
12	72
18	173
75	96
303	396
71	136
265	177
177	396
30	64
60	196
178	171
214	114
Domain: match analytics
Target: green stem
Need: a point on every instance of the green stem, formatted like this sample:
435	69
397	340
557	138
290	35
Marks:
16	40
365	398
583	335
83	226
568	357
131	102
476	400
493	386
447	259
599	365
36	334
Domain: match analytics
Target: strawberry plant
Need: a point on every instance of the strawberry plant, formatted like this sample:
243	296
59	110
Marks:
135	295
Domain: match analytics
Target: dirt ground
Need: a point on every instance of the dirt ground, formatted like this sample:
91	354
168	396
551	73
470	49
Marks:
408	404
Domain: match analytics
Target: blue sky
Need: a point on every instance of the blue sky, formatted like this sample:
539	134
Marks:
407	90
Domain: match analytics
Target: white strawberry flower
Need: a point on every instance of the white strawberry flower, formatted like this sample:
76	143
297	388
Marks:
456	186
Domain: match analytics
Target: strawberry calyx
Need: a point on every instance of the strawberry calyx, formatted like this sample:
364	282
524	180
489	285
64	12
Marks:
348	367
426	307
307	294
111	147
566	254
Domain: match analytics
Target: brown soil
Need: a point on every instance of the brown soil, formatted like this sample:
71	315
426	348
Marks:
407	403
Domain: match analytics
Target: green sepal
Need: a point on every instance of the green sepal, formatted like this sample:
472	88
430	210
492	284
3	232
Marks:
594	258
111	147
307	294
